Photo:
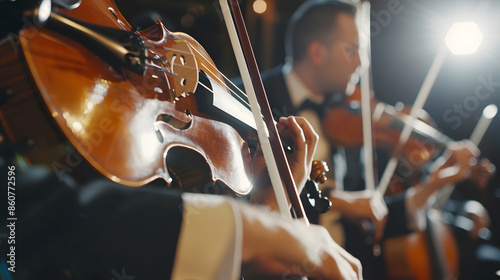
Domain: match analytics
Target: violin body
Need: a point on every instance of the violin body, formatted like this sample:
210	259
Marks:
387	123
132	126
428	254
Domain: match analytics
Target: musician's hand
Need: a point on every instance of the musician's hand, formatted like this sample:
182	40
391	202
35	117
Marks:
478	214
456	163
483	172
360	205
304	139
285	248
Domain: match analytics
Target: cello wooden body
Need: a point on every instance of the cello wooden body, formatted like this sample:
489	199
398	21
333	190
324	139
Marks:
427	254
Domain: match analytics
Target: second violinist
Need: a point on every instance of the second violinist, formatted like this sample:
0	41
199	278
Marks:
322	55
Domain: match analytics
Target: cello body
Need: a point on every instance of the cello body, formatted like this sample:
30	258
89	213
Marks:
428	254
133	126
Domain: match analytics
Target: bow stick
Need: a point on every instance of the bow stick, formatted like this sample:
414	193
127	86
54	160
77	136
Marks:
276	162
422	95
363	21
476	137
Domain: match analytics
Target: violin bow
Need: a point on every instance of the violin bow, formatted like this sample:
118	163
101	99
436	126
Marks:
363	21
276	162
420	100
476	137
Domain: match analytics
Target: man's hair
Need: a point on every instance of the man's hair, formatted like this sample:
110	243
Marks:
313	20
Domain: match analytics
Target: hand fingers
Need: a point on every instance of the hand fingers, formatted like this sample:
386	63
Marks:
488	168
301	132
378	206
335	262
380	212
379	232
309	133
341	264
355	264
290	129
472	148
458	162
465	152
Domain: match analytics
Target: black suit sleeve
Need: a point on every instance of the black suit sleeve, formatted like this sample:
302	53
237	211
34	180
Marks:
397	220
99	231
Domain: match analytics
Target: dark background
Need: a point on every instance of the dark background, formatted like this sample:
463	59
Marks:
404	45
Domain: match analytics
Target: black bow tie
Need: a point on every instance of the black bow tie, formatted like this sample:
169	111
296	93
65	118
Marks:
331	100
309	105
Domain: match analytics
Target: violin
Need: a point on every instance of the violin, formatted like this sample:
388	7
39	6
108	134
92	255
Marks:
137	106
423	146
426	142
132	104
405	256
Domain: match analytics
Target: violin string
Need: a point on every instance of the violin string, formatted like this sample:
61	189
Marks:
166	48
241	92
207	88
240	95
233	93
179	65
187	53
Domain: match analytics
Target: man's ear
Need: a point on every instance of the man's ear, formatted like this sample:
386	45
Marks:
317	52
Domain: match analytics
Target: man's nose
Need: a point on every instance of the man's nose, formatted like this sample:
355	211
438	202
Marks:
357	59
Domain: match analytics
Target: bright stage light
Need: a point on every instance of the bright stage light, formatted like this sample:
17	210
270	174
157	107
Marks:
464	38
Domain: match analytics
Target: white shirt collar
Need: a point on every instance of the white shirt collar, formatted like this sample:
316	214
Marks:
297	89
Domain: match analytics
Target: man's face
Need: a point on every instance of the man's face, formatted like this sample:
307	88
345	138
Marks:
341	57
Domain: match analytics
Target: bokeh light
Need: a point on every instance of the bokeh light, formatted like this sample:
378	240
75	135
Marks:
259	6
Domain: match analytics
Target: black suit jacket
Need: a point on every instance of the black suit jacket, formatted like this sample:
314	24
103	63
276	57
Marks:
277	92
101	230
